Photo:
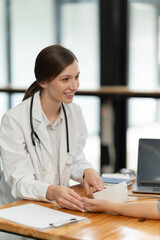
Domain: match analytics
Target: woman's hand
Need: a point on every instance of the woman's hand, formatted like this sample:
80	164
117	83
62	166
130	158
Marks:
65	197
91	179
101	205
94	205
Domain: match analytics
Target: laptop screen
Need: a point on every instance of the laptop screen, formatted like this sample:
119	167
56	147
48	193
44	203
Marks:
149	161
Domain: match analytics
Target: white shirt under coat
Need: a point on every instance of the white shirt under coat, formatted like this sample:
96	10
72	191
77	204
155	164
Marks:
21	166
54	134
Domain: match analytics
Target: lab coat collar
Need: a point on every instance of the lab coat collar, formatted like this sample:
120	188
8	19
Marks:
37	109
39	124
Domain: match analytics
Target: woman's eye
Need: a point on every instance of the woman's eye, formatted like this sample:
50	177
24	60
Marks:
77	77
65	79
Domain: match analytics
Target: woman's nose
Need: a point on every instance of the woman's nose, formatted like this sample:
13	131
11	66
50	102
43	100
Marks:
74	84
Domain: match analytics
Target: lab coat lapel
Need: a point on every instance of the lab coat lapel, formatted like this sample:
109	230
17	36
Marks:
39	125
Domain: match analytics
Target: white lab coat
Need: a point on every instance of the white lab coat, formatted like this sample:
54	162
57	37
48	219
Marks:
22	170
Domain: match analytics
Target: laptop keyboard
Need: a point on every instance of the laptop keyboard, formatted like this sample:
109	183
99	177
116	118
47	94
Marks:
156	185
156	189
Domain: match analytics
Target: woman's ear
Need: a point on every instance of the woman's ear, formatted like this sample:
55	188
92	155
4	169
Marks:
43	84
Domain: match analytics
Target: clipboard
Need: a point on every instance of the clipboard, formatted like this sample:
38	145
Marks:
39	217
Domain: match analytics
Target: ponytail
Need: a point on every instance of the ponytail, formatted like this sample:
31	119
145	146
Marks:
32	90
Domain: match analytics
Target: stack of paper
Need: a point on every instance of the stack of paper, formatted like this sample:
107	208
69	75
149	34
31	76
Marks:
116	175
115	179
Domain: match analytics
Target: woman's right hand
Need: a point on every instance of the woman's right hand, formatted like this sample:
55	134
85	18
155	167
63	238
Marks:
65	197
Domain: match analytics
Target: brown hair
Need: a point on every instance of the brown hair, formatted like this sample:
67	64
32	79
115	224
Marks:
50	62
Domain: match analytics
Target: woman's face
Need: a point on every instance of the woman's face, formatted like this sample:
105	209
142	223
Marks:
64	86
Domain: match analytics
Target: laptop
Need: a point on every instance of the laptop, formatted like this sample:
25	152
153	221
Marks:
148	168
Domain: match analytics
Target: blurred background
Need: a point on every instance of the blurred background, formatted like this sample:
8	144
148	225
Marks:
117	43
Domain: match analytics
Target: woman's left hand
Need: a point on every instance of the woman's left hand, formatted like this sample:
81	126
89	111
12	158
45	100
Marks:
91	179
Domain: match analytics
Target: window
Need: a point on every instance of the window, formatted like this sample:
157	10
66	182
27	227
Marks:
143	73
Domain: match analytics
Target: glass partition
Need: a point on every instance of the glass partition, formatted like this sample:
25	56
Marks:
3	46
32	28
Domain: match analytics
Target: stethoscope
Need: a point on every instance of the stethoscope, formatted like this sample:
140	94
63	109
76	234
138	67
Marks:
36	140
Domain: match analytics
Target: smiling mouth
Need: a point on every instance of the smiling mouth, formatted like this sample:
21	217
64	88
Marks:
70	94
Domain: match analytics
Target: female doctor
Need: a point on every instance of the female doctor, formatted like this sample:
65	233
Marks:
42	139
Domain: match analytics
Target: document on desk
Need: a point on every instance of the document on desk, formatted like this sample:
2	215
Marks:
39	217
117	193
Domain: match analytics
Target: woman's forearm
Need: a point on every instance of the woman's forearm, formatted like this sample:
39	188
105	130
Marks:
148	209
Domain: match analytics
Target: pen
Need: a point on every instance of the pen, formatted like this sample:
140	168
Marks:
63	222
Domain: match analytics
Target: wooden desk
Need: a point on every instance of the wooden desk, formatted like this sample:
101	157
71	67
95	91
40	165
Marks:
100	225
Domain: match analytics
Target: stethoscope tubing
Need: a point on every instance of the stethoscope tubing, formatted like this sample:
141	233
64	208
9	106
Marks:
66	122
31	123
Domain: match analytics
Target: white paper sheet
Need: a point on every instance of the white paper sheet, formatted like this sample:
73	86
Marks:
117	193
38	217
116	175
